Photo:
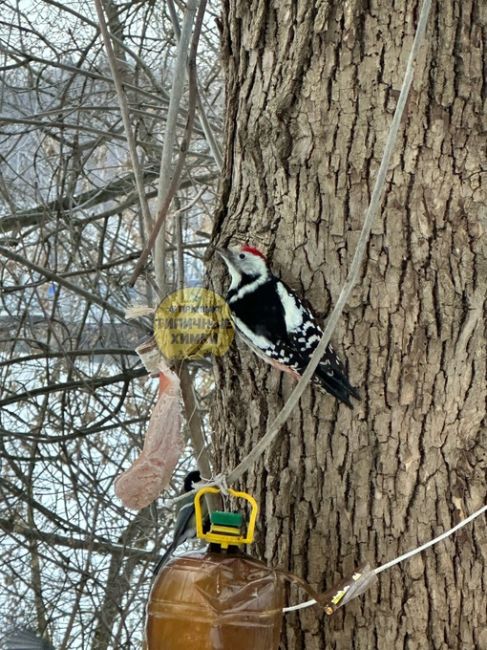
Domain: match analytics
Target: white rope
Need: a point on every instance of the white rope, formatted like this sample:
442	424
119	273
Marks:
219	481
294	608
405	556
444	535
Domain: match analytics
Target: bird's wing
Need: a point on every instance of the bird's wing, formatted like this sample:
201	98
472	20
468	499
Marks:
305	333
184	529
269	347
185	526
303	329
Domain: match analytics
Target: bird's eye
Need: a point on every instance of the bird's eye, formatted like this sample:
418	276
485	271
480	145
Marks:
242	256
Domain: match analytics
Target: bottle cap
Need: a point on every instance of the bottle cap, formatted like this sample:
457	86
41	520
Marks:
226	527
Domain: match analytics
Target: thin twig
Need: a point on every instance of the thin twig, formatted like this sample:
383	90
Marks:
124	111
194	420
90	297
179	237
353	273
165	175
138	60
178	217
183	149
87	383
26	58
205	124
68	353
53	539
189	205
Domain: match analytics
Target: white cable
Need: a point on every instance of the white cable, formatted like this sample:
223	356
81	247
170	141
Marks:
293	608
405	556
444	535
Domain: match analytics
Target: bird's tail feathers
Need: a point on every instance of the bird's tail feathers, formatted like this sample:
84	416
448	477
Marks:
336	383
170	550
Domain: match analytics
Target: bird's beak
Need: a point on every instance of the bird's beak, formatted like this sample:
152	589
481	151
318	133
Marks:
222	252
226	254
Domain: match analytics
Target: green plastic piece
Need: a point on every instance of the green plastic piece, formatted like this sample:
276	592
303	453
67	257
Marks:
234	519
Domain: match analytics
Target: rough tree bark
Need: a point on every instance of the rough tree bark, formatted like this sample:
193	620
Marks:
311	87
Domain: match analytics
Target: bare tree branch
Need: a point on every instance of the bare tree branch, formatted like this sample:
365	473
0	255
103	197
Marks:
184	147
63	282
124	110
87	384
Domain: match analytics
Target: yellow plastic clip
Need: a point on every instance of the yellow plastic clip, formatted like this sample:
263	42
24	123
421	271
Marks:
216	534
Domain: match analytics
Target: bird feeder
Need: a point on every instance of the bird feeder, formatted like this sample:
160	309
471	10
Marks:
219	599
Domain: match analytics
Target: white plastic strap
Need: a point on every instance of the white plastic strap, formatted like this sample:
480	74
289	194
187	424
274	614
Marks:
405	556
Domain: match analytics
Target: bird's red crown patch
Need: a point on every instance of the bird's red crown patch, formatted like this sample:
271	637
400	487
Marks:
252	250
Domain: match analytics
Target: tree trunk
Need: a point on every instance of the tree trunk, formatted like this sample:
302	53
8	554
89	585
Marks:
311	88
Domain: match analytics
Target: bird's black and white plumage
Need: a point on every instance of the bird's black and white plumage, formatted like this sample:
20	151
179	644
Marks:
278	325
185	526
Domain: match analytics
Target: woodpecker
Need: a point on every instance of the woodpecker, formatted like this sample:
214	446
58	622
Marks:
277	324
185	526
